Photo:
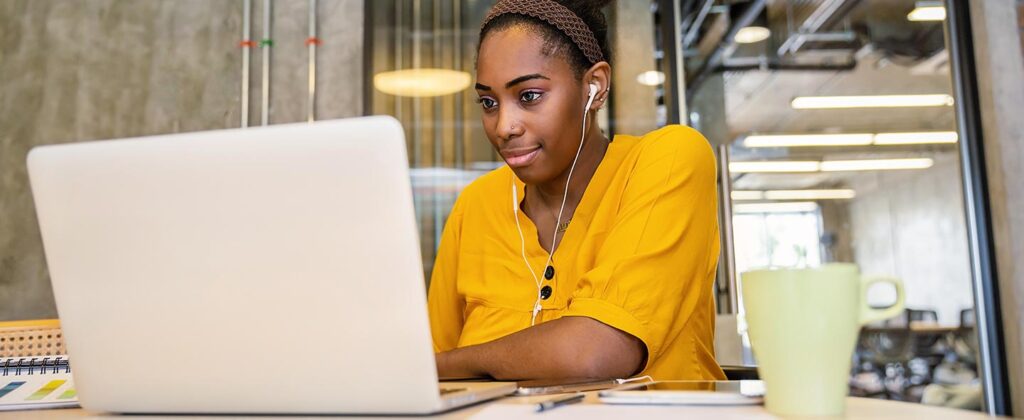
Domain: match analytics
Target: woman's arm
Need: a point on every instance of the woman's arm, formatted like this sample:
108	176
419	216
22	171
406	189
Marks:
569	347
444	304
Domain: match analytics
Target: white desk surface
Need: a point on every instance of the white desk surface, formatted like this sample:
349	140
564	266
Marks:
591	408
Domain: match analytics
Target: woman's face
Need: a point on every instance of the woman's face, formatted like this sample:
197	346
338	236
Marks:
532	104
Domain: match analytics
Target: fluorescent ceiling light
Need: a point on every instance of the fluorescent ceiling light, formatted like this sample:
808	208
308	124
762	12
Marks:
927	12
774	166
880	101
744	195
752	195
825	140
837	194
421	83
937	137
780	166
789	207
798	140
875	164
650	78
752	34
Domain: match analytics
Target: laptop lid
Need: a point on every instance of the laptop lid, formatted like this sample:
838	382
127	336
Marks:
261	270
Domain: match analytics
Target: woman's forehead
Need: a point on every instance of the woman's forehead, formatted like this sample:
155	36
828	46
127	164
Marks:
514	52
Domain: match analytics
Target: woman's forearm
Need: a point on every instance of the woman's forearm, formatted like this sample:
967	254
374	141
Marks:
571	347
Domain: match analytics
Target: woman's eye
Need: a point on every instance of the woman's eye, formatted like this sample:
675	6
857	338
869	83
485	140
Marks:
529	96
487	103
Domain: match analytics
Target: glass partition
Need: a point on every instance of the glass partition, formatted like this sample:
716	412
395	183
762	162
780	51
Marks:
836	126
837	118
420	71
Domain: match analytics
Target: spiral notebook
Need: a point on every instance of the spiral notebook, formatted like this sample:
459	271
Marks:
28	383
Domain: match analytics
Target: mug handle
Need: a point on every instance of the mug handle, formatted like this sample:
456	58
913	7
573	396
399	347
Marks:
869	314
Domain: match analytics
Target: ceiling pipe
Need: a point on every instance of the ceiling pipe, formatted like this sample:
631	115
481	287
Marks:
685	12
823	17
246	46
785	65
311	43
265	45
693	29
728	43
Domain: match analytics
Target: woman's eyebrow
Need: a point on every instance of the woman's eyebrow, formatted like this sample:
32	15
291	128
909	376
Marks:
516	81
522	79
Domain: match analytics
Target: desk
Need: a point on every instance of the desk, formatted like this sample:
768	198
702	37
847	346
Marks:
925	327
917	327
591	408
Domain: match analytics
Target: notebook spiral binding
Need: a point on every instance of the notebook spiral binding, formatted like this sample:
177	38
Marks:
34	366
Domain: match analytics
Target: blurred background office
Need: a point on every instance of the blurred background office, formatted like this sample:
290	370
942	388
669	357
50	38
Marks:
879	132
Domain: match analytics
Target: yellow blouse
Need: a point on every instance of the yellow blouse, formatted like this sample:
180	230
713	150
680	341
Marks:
639	255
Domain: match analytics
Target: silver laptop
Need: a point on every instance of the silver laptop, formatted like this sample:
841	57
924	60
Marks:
265	270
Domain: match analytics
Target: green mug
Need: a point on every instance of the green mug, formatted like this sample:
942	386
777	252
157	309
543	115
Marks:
803	326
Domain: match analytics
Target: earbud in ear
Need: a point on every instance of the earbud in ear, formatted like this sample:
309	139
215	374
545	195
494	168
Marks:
593	89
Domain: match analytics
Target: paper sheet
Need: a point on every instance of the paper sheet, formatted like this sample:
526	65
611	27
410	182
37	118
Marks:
597	411
27	392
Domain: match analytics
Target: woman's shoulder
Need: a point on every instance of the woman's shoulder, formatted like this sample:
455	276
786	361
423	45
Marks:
485	188
684	144
674	138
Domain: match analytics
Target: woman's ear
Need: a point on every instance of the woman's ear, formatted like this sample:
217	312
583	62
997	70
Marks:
599	74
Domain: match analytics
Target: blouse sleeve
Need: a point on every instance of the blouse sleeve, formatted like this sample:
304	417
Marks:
663	244
444	303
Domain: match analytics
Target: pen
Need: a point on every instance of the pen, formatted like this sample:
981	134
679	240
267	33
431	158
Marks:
558	402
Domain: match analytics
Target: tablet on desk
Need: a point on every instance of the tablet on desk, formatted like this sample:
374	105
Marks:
466	379
558	386
687	393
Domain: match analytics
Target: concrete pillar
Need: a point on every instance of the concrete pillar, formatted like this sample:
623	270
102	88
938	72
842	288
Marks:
1000	66
632	45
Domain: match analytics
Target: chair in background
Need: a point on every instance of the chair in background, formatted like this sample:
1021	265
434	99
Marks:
965	341
900	355
32	338
880	359
959	366
929	348
883	353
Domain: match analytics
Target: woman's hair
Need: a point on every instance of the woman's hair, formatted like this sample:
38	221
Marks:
557	42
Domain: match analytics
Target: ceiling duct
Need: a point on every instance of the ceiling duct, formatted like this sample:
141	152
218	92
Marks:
824	14
753	9
799	33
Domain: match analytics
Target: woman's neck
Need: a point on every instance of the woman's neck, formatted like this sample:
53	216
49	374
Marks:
550	192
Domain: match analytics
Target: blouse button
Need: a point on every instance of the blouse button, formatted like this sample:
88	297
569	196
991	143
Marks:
549	273
545	293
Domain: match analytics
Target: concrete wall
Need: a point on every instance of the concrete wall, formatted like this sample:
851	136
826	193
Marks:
84	70
911	224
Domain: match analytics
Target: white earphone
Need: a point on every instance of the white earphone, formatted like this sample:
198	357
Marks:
558	220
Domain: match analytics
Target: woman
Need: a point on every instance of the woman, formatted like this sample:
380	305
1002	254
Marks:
584	257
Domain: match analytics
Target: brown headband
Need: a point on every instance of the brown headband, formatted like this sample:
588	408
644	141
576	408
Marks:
557	15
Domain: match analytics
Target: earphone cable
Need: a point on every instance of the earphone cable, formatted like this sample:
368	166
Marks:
558	220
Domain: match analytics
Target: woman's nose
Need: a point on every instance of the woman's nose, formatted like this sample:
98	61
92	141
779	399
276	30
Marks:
509	126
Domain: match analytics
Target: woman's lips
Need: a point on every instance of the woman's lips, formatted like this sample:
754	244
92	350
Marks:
521	157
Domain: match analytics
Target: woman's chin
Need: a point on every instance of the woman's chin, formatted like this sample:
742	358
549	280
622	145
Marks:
528	174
